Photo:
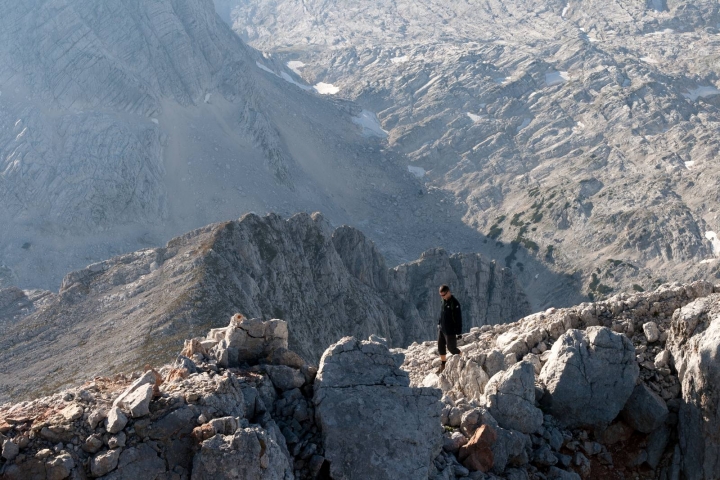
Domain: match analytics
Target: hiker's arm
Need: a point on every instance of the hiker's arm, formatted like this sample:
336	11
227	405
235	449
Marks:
457	317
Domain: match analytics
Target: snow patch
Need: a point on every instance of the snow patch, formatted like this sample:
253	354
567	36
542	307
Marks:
370	124
326	88
712	236
475	118
428	84
417	171
689	164
402	59
556	78
567	6
155	121
524	124
502	80
295	66
207	97
289	79
263	67
648	60
701	92
667	31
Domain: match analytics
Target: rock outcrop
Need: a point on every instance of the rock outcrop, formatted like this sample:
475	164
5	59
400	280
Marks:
589	376
357	417
630	383
137	308
393	431
695	347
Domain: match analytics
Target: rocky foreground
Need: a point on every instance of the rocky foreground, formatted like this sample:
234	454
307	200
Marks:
616	389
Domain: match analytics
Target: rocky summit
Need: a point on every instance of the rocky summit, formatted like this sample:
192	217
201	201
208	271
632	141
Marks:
239	403
137	308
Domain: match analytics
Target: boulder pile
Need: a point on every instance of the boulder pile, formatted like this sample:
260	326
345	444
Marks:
623	388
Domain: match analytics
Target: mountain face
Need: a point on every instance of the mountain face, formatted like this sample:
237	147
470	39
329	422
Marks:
123	125
580	136
138	307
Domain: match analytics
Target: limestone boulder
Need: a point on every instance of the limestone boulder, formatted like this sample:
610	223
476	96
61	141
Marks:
248	454
135	400
374	425
463	377
510	397
589	376
645	411
138	462
104	462
246	341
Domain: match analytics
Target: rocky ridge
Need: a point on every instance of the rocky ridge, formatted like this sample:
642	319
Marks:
327	283
237	403
623	385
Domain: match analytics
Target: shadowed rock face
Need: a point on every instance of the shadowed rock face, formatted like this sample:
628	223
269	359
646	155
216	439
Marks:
695	346
138	307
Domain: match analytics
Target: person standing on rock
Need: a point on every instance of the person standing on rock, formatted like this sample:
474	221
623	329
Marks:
449	326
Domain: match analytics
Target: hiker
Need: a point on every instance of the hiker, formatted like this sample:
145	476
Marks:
449	326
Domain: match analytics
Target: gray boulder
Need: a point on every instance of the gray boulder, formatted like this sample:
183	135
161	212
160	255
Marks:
60	467
645	411
249	454
135	400
104	462
695	346
373	424
284	377
510	397
589	376
116	420
138	462
511	448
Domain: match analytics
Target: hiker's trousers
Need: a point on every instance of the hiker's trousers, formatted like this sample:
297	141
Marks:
447	342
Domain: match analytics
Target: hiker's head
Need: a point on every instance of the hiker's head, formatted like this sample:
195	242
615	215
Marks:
445	292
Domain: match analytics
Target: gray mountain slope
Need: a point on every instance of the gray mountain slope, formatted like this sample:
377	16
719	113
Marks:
582	135
137	308
125	124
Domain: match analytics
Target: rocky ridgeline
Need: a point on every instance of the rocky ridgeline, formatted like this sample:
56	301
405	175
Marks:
326	283
611	389
616	389
236	404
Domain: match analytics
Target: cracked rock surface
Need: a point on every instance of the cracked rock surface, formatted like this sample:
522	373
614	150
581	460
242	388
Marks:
393	431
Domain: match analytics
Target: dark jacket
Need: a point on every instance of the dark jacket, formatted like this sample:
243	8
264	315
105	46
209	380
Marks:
450	317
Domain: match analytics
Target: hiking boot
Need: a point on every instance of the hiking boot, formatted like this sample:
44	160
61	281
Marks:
440	369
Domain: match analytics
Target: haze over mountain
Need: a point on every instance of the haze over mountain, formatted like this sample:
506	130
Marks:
125	124
583	135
